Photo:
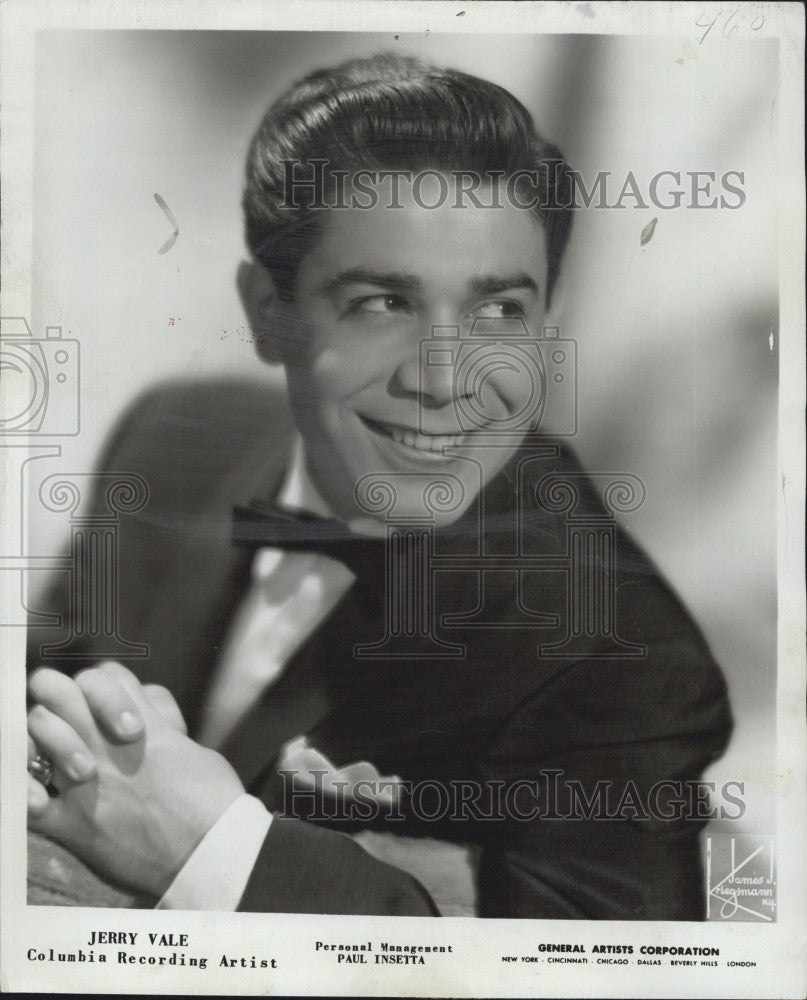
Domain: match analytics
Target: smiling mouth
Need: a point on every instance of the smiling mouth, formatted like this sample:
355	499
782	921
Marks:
432	445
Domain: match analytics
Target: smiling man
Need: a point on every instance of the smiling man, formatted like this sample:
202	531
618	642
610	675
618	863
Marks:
374	287
402	220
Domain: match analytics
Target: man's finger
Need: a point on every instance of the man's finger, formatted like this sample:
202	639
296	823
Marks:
111	705
52	821
162	701
58	740
128	681
62	696
38	799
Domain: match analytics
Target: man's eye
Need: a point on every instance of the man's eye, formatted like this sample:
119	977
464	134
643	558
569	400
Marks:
497	309
378	304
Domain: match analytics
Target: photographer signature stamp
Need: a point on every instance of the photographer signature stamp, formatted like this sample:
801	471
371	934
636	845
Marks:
740	878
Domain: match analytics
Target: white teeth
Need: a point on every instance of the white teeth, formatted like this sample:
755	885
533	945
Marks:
425	442
432	443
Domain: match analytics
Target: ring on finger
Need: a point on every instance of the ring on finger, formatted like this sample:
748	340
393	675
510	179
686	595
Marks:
41	767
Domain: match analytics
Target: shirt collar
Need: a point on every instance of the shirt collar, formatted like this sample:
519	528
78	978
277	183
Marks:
298	492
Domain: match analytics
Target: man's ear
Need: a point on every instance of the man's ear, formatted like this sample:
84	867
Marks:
259	299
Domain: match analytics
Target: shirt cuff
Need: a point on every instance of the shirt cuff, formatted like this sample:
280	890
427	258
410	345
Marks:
215	876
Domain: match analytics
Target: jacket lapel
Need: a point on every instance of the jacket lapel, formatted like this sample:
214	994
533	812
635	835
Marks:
206	575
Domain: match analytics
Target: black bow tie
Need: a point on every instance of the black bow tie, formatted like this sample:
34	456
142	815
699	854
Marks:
262	524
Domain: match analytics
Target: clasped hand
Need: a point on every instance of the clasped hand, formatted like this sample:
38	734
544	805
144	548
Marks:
136	795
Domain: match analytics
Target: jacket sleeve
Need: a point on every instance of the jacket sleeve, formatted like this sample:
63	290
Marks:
303	868
607	821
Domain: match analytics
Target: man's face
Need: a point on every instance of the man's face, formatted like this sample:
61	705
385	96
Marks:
376	285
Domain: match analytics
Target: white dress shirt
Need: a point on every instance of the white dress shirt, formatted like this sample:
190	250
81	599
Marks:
290	595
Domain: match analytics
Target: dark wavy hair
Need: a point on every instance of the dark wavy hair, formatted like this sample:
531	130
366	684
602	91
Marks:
391	112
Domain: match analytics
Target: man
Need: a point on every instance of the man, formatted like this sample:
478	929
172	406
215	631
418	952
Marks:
344	692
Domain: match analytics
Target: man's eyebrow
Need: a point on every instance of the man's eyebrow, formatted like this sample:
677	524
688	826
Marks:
492	284
489	284
384	279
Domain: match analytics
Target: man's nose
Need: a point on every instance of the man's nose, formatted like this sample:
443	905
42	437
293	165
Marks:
429	375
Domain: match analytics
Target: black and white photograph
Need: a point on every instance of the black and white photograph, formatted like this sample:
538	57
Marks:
402	435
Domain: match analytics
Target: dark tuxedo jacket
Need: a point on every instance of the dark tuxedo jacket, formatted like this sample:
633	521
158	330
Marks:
498	715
